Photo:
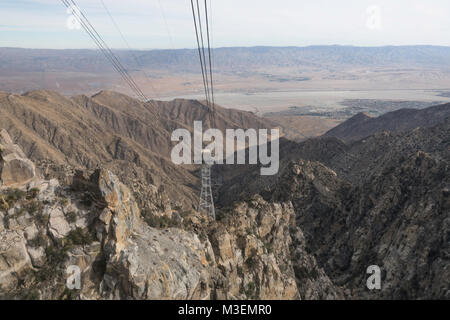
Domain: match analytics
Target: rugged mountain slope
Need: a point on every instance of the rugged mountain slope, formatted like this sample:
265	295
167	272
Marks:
380	201
113	130
254	251
362	125
398	220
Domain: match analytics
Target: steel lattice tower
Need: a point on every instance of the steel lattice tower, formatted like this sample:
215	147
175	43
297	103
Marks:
206	196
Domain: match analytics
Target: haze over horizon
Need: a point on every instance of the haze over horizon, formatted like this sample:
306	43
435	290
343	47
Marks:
234	47
158	24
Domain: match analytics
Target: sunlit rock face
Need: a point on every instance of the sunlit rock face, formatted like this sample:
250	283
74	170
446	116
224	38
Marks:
15	169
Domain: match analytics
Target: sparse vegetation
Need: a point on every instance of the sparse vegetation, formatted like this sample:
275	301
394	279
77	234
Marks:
38	241
41	219
160	222
251	262
21	200
10	197
71	217
64	202
77	237
240	271
250	291
69	294
34	207
32	193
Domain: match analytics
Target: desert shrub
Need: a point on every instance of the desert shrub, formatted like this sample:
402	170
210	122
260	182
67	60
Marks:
252	261
69	294
32	193
34	207
55	254
160	222
14	195
71	217
78	237
250	291
41	219
9	198
240	271
38	241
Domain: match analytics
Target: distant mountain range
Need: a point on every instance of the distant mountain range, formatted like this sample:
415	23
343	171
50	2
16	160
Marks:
227	59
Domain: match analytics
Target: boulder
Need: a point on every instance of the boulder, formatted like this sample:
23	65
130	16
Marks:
16	171
37	256
14	258
58	225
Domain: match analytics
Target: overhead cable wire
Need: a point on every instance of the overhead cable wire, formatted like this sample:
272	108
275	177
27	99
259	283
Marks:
199	50
206	60
104	48
210	65
124	72
203	51
169	33
166	24
127	44
133	55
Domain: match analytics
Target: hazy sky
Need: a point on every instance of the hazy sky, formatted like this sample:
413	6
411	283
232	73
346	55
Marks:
43	23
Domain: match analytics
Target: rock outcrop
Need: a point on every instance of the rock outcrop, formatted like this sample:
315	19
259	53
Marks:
255	251
16	171
383	201
260	254
397	221
144	262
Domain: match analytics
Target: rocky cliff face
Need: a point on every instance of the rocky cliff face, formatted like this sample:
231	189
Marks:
94	224
393	222
379	201
261	254
255	251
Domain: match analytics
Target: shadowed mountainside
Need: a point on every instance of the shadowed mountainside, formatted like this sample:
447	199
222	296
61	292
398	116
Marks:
384	201
362	125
